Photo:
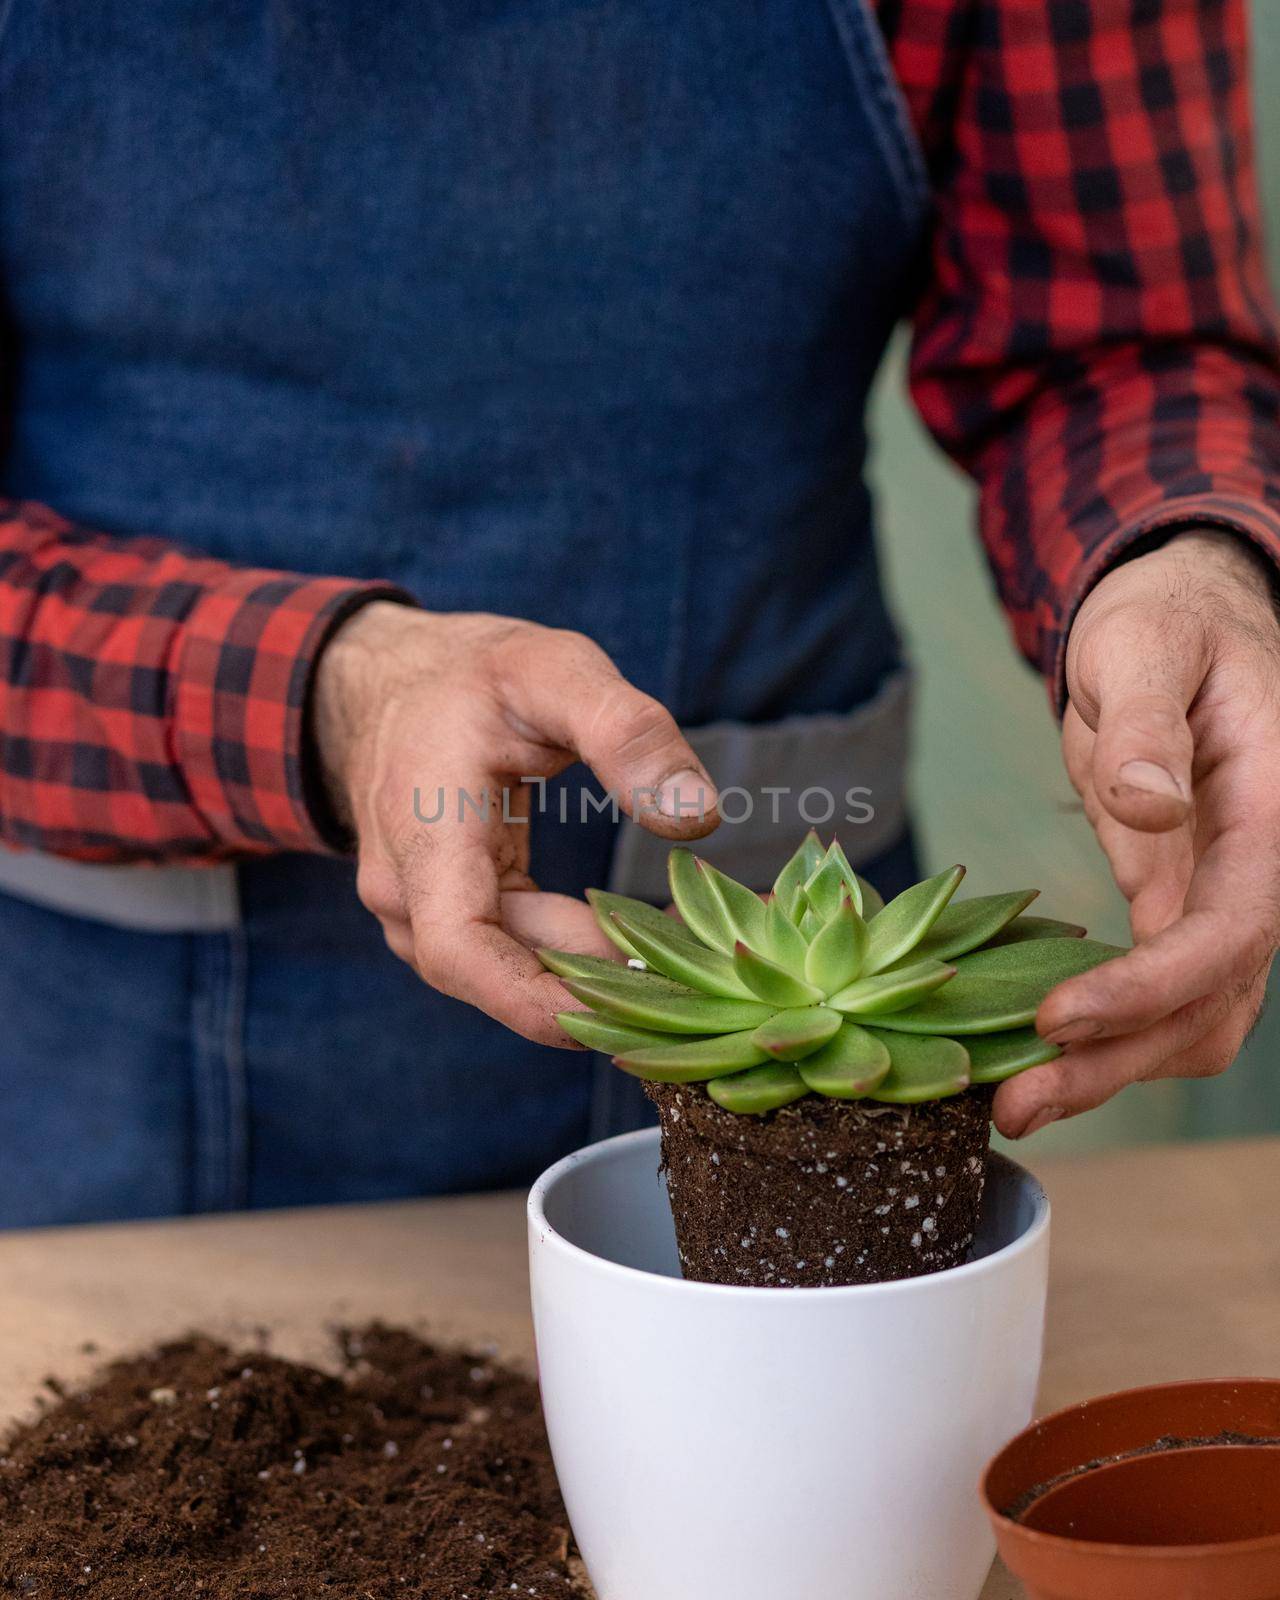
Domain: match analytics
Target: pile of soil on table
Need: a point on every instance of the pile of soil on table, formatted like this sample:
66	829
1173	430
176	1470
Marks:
418	1474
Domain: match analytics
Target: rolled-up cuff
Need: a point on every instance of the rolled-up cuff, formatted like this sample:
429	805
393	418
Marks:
1247	518
246	654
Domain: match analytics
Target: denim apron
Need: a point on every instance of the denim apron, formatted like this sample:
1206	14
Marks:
560	308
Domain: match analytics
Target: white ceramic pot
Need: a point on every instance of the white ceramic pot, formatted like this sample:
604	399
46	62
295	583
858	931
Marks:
717	1443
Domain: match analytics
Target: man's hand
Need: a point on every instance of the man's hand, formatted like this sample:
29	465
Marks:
1172	738
473	704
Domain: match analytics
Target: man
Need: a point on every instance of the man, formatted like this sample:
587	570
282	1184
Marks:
488	382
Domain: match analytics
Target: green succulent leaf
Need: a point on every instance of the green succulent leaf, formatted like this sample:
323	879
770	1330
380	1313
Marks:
892	991
567	964
605	1035
852	883
745	910
1002	986
993	1057
922	1069
646	1001
976	1004
966	924
673	953
1023	928
905	920
789	883
692	1060
837	952
698	903
828	886
606	905
872	899
783	941
1044	962
850	1066
811	925
759	1089
791	1035
770	981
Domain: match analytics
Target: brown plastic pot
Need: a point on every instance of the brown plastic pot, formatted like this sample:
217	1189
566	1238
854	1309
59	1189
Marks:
1127	1514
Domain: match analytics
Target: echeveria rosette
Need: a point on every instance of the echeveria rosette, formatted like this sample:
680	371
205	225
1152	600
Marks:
821	989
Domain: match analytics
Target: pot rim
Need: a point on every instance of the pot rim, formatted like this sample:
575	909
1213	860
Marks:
606	1149
1061	1544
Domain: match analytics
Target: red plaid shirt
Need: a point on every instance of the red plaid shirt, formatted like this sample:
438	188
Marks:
1094	345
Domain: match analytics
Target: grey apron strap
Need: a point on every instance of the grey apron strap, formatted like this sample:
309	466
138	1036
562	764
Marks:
146	899
844	774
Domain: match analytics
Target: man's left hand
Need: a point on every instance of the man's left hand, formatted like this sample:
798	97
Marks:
1172	739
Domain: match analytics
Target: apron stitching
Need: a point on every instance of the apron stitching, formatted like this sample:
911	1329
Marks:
204	1154
219	1176
873	73
237	1083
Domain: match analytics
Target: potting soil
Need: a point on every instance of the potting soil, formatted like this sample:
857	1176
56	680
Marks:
822	1193
414	1474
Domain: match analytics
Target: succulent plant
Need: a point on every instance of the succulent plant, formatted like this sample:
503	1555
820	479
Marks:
821	988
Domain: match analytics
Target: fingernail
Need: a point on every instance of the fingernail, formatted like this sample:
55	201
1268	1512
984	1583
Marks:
1042	1119
686	794
1075	1030
1152	779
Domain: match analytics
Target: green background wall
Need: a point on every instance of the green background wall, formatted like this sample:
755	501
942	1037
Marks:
989	785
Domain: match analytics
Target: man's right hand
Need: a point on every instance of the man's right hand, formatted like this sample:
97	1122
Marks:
409	700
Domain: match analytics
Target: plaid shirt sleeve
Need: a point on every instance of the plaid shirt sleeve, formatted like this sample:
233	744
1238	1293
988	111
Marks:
151	701
1095	343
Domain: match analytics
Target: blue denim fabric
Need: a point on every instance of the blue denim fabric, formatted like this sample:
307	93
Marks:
148	1074
561	308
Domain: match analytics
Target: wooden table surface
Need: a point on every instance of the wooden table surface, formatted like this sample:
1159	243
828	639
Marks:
1166	1265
